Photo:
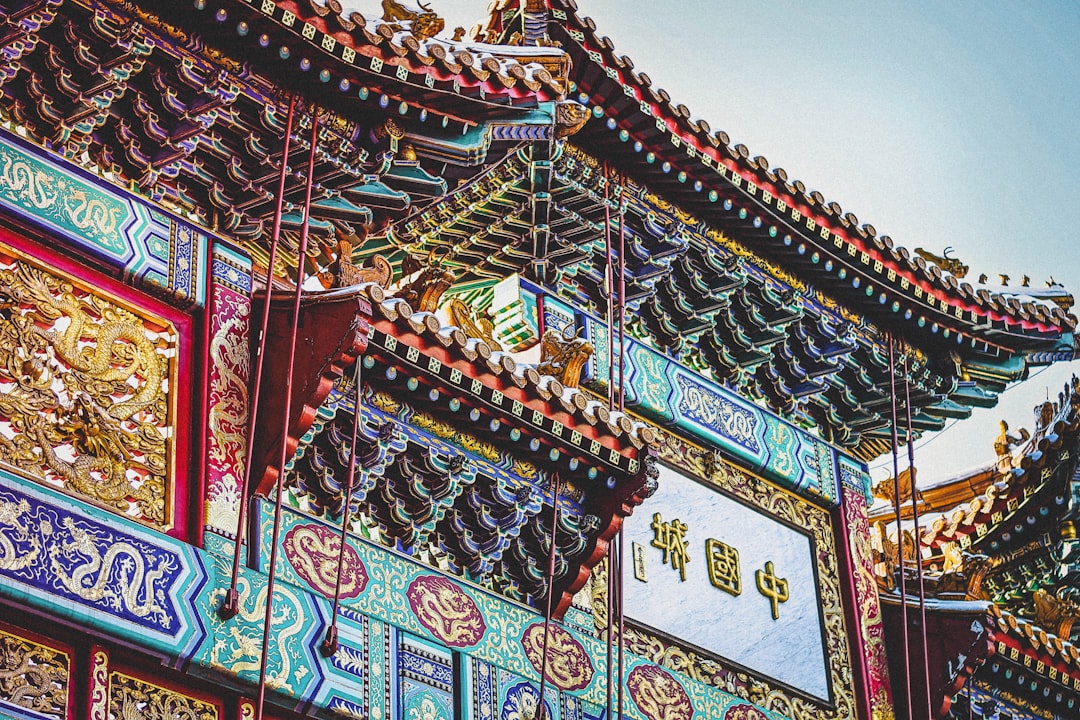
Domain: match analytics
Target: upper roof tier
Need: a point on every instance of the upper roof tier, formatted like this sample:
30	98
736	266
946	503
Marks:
702	170
454	149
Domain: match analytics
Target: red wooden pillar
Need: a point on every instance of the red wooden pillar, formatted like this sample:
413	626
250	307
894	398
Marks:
866	633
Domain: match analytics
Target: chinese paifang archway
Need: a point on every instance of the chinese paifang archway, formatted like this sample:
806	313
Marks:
363	367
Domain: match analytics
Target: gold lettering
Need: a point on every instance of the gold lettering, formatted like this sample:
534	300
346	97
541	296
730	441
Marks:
772	587
669	537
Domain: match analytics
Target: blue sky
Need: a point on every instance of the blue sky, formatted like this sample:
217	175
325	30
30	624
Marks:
950	123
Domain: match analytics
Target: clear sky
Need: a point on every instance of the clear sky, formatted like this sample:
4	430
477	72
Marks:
948	123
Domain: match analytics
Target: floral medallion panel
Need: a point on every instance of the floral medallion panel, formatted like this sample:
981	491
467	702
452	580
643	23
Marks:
89	377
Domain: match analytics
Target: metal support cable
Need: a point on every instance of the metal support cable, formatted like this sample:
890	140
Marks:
915	519
541	711
230	605
899	523
610	599
282	457
622	303
609	289
330	642
622	619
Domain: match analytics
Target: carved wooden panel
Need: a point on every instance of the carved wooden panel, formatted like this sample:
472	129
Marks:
87	390
34	678
131	697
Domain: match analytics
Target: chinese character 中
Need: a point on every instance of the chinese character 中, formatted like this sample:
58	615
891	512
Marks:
669	537
772	587
723	566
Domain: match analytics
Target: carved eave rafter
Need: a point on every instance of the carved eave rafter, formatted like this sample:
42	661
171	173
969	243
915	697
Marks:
1020	514
701	170
988	337
155	97
1050	664
437	377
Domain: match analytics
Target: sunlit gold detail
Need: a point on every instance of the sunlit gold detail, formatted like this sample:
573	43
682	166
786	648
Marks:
424	282
33	676
473	325
342	272
1058	611
563	355
948	264
423	24
84	390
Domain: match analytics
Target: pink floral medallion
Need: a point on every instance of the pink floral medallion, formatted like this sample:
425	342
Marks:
446	610
658	695
742	711
313	552
568	665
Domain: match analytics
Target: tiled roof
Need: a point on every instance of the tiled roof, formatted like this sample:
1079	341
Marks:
651	116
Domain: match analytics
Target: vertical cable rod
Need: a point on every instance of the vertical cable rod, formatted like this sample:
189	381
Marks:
899	521
622	621
295	331
915	519
541	710
622	303
230	605
330	643
609	282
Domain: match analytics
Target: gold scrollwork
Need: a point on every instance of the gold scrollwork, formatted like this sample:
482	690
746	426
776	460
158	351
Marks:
84	389
33	676
131	697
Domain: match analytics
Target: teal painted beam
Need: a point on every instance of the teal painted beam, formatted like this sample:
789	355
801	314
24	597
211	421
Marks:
152	249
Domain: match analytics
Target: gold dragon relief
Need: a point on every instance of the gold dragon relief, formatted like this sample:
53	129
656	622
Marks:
33	677
85	386
131	697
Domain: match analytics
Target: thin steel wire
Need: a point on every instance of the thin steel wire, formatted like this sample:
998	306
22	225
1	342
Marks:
301	253
230	604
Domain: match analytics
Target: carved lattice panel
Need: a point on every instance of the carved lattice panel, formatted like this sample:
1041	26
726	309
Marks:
131	697
35	679
86	390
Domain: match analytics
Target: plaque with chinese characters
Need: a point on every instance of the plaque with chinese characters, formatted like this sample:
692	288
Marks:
720	575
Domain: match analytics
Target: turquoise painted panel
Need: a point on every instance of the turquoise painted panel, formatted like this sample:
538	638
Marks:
486	627
678	398
233	647
153	250
84	571
854	475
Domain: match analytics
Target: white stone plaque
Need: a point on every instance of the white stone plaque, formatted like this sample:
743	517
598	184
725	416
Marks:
728	579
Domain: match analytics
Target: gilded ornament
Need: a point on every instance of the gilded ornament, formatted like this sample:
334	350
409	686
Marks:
131	697
570	117
563	355
473	325
424	282
945	261
86	399
1057	612
342	272
33	677
424	24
